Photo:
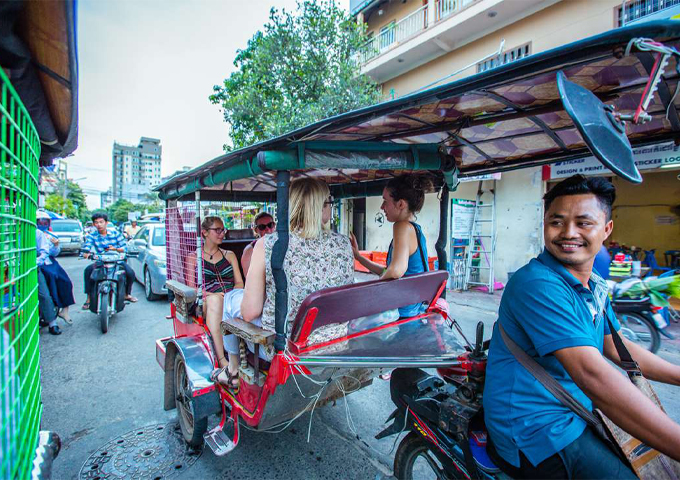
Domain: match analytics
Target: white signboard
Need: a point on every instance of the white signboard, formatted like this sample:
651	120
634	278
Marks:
477	178
646	158
462	213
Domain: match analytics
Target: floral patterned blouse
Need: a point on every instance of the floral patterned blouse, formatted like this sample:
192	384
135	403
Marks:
310	264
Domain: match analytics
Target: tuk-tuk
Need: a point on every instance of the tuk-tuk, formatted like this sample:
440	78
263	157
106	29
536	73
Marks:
597	96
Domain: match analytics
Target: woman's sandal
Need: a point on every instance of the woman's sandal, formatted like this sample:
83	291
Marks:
68	320
232	378
86	306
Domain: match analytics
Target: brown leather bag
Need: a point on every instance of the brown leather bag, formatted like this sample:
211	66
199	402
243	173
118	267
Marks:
647	463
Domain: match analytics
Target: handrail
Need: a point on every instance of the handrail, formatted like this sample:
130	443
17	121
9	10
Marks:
406	27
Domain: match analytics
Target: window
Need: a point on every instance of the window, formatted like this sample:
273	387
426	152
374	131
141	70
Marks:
505	57
637	9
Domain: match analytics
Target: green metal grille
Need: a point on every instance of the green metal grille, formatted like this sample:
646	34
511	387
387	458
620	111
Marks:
20	406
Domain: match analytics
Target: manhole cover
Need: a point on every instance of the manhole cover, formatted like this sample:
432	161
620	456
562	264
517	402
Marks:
153	452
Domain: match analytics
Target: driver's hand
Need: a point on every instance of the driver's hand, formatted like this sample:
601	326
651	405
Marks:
110	247
54	240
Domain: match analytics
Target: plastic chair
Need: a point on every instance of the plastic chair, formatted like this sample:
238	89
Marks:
650	261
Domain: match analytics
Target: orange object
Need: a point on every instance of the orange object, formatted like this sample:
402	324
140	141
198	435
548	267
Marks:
380	257
430	262
359	267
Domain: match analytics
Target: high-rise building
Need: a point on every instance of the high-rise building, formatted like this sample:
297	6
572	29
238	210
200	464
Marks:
136	169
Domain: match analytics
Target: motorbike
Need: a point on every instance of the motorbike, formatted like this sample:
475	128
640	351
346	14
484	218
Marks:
444	419
641	321
108	288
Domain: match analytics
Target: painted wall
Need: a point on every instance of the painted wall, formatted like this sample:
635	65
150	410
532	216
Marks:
642	213
561	23
519	219
393	11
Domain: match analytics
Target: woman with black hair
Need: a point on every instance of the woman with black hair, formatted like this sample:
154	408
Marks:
403	198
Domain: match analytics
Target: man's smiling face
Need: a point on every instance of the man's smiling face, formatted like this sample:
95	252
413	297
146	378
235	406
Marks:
574	229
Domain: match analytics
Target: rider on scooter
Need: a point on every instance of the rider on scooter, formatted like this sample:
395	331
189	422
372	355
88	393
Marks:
101	241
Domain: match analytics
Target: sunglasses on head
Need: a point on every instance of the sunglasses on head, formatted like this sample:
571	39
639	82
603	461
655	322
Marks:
264	226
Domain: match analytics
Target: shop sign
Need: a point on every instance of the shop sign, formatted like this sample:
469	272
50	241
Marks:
462	214
646	158
478	178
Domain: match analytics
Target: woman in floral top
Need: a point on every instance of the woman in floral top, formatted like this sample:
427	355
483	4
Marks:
316	259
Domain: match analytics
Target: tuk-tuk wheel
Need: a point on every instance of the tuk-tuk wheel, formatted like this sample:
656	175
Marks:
192	428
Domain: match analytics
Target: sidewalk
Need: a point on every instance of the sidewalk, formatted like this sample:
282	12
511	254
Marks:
475	299
472	298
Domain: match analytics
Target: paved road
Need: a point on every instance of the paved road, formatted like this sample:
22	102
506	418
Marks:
98	387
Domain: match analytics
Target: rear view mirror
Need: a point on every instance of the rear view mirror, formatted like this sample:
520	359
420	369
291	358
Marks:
604	134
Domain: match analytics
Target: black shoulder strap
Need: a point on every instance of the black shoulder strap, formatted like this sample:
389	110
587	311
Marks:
420	247
627	362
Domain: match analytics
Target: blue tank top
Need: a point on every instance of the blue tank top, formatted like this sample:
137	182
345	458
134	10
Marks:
417	263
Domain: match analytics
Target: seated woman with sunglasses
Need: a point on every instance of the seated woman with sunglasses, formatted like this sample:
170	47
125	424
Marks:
221	274
316	259
263	225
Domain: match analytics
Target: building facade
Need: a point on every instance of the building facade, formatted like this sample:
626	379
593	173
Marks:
136	170
416	44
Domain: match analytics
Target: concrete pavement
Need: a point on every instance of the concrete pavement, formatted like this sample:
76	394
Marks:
98	387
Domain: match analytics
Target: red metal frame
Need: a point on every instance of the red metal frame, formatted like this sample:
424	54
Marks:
249	400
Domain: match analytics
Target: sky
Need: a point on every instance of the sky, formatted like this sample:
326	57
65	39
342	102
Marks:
146	69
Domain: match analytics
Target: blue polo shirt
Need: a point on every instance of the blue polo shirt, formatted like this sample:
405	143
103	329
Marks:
544	308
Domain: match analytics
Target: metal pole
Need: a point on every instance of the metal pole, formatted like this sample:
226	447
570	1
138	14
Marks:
278	255
443	238
199	251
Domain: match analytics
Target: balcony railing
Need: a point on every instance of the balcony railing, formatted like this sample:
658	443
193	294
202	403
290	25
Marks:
637	9
394	34
414	23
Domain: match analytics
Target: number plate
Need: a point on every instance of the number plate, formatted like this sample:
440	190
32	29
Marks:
659	320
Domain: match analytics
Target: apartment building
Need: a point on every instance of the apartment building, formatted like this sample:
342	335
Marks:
417	44
136	169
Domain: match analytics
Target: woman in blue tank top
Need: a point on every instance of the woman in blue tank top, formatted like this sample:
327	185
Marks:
403	198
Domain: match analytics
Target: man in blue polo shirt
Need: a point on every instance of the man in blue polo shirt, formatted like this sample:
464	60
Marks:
555	308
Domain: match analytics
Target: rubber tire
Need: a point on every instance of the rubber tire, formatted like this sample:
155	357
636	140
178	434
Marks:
653	332
193	436
407	452
150	296
104	313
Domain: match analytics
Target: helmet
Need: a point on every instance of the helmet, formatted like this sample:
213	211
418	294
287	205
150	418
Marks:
43	220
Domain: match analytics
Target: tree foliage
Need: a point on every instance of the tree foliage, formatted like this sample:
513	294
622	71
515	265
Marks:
302	67
59	204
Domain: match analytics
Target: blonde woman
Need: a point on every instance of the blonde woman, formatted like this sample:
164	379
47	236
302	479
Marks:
316	259
221	274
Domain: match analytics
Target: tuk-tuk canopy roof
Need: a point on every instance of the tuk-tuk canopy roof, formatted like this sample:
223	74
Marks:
503	119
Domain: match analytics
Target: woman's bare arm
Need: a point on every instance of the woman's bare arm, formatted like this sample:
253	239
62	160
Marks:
373	267
254	293
400	251
238	280
245	259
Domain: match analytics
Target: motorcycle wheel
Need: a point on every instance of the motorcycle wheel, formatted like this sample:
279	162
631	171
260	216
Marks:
415	460
104	312
639	329
192	428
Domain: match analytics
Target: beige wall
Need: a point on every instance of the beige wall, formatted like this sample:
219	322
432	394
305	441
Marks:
392	12
559	24
641	213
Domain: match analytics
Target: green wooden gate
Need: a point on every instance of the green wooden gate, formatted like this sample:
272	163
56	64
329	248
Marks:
20	406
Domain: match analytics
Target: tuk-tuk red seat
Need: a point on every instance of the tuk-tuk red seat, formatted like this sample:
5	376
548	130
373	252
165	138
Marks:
339	305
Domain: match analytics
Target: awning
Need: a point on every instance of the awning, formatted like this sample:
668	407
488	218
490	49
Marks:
507	118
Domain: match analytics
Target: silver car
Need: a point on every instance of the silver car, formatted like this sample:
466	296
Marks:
149	264
70	234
